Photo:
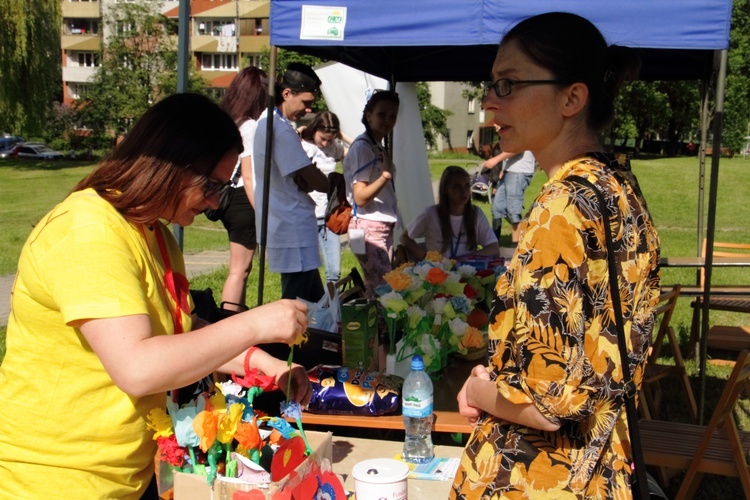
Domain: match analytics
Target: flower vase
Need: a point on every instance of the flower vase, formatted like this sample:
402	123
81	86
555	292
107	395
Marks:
395	367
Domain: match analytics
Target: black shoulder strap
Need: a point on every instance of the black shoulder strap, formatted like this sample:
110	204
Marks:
640	484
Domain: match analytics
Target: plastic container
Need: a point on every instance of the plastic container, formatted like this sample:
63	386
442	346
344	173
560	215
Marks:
417	403
380	478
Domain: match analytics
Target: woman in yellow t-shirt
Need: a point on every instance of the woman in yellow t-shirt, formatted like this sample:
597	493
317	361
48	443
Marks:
100	323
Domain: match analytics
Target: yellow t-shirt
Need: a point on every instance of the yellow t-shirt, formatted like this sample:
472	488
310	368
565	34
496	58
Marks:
67	431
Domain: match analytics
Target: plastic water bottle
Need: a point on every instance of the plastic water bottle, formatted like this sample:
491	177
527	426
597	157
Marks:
417	411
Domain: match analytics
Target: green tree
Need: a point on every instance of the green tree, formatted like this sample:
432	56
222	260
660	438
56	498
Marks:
684	112
139	67
737	99
434	119
30	73
646	108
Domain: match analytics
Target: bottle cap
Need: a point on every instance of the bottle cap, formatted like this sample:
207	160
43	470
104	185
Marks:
417	364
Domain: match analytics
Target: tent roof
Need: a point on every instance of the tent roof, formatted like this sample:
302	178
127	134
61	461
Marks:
446	40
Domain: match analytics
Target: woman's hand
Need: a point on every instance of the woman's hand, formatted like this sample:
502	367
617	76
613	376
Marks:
471	413
280	321
300	389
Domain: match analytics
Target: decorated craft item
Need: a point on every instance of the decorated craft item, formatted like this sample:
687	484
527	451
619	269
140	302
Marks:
440	306
220	434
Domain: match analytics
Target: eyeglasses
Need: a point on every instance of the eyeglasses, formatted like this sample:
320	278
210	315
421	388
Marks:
211	187
504	86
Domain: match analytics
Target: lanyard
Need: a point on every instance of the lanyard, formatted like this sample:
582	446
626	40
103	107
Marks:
454	247
176	284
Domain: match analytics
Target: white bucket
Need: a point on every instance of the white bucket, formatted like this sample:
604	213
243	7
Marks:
380	479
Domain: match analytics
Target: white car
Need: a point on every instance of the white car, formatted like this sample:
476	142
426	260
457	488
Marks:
37	151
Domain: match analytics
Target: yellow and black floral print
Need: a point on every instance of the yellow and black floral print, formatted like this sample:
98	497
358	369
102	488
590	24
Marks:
553	342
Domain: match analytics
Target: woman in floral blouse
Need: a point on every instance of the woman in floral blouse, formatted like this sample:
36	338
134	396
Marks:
549	410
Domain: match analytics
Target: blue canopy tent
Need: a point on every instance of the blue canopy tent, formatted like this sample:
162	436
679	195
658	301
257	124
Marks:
448	40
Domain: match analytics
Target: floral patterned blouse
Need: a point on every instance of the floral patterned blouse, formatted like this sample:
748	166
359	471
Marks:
553	342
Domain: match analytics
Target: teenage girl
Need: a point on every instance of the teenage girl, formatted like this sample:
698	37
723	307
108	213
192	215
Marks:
322	141
455	226
244	101
369	173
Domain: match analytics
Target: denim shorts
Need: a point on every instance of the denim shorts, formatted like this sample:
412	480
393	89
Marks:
508	200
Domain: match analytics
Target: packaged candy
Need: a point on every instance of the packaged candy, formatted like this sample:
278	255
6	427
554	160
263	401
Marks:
349	391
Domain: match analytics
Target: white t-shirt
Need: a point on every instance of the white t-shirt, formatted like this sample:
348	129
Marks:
247	131
364	153
325	159
292	238
427	225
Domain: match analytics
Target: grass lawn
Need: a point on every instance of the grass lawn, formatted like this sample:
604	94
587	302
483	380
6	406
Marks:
29	189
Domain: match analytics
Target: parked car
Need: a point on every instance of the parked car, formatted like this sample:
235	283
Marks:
8	143
36	151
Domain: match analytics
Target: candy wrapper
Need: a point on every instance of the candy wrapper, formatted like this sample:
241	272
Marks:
348	391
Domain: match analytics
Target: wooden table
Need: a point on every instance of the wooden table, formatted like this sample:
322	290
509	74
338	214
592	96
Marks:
348	451
447	418
701	262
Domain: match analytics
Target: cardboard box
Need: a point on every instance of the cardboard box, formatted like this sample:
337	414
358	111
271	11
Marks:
359	333
195	487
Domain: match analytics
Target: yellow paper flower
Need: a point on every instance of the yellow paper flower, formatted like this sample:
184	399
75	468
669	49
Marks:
434	256
404	266
398	280
228	423
301	339
159	422
217	402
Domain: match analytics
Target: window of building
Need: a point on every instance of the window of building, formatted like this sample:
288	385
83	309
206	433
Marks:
86	59
216	27
81	27
219	62
472	105
78	90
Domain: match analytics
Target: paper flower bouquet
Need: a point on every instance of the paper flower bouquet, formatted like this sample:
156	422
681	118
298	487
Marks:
219	435
434	302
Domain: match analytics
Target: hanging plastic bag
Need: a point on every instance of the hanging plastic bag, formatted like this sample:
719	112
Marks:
319	314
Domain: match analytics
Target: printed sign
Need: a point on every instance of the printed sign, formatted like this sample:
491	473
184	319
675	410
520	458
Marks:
322	23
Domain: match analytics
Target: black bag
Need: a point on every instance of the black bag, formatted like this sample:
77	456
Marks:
338	210
224	200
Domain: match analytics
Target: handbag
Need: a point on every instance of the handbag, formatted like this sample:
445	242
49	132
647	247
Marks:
338	210
224	200
643	486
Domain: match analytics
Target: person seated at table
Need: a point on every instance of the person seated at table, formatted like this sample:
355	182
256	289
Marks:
101	323
550	409
455	226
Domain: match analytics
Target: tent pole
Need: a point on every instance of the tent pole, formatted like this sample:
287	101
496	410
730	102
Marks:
267	172
712	196
704	121
183	43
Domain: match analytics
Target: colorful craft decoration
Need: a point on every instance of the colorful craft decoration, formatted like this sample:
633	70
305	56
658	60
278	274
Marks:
434	302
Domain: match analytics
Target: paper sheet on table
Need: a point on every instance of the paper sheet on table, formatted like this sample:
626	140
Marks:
437	469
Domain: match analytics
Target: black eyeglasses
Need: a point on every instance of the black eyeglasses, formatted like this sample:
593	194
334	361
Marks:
211	187
504	86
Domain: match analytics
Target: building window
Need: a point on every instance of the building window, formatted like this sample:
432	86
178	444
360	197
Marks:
219	62
81	27
87	59
78	90
472	105
216	27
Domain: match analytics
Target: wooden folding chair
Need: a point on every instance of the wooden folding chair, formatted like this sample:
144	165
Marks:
720	336
651	392
349	287
717	448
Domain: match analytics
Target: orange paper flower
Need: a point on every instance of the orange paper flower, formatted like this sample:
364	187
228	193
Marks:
205	425
472	338
436	276
248	436
398	280
434	256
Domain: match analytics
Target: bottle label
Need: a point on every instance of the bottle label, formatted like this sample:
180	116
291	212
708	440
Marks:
417	408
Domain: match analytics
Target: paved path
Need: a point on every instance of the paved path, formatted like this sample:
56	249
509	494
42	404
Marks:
196	264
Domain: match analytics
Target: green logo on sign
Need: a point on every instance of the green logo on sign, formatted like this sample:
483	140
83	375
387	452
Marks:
334	19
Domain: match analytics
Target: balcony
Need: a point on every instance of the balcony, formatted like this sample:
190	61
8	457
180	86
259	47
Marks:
89	43
81	74
81	10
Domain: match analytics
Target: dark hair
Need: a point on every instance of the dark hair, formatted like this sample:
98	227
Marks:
324	121
444	214
182	136
298	78
376	98
574	50
246	97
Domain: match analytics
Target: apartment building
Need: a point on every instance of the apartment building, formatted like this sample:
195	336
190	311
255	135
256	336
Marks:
469	128
222	33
